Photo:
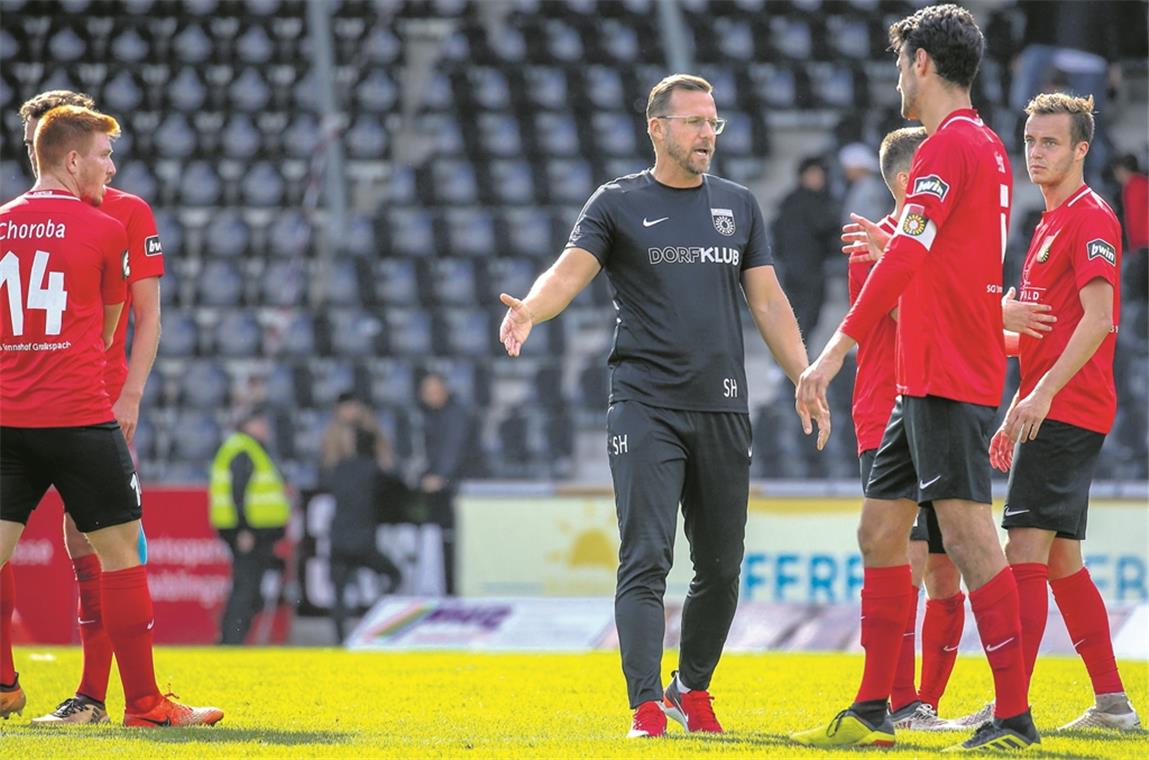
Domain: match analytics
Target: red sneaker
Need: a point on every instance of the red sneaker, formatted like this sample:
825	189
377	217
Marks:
692	709
649	721
171	713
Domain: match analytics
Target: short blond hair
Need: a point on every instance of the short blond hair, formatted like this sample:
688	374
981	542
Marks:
1080	112
68	128
896	153
660	94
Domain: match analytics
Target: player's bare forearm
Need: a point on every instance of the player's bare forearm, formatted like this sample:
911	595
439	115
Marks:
775	320
146	341
111	319
557	287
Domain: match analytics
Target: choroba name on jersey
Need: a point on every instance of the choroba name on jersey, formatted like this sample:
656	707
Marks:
10	230
695	254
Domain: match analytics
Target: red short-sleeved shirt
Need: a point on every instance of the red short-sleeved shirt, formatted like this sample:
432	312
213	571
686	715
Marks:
145	259
957	209
875	385
61	262
1074	244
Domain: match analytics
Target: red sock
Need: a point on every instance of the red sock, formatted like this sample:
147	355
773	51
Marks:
885	600
904	692
128	619
995	608
94	639
7	607
1087	621
941	633
1033	600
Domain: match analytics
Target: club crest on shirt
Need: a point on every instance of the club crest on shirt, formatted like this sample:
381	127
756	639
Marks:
152	246
1046	246
914	224
723	219
933	185
1100	249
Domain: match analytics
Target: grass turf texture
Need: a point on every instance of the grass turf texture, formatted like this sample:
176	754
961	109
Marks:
332	703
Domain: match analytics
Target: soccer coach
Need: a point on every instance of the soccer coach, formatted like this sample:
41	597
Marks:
678	245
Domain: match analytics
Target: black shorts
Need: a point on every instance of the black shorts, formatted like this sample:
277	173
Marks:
925	524
90	466
1050	479
934	448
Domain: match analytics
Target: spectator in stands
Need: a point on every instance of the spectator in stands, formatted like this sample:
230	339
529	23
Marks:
1074	47
250	509
1135	219
360	488
351	415
805	237
866	194
448	427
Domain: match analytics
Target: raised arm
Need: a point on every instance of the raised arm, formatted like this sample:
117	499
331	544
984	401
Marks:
552	292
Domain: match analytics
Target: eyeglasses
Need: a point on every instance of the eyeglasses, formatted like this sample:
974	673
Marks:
696	122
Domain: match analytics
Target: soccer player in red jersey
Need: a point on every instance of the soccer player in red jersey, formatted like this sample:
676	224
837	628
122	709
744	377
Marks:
64	271
125	384
875	391
1058	420
943	269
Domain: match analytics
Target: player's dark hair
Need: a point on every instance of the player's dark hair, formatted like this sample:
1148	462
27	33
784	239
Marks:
811	162
68	128
897	151
1126	161
660	94
38	105
1080	112
951	37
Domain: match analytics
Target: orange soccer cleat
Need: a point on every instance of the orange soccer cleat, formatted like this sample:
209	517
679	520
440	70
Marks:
171	713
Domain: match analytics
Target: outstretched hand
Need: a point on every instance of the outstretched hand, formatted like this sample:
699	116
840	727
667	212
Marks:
863	240
1024	318
516	324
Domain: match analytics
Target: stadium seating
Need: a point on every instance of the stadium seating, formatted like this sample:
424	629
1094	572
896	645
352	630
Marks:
518	121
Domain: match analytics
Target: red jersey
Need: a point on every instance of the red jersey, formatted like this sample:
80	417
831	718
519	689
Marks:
145	259
63	261
1074	244
1135	199
874	384
945	263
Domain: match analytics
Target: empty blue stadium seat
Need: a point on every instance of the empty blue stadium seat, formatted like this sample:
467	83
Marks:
220	283
412	232
238	334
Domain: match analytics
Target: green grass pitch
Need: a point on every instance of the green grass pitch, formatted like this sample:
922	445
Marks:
286	703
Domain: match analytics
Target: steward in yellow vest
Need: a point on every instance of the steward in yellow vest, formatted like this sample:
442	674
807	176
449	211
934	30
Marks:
250	509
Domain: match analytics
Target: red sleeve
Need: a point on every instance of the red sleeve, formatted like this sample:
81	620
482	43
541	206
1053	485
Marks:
1097	250
145	254
114	254
936	177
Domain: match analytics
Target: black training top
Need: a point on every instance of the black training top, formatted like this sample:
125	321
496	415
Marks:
674	257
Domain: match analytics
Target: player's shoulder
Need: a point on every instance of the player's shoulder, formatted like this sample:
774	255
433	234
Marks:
1089	204
723	185
628	183
118	202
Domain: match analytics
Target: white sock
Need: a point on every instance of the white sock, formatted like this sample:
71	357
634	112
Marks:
681	686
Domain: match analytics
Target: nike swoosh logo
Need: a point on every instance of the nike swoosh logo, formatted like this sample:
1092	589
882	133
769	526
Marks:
151	624
81	621
164	722
1015	512
949	649
904	635
995	647
1078	643
924	484
650	223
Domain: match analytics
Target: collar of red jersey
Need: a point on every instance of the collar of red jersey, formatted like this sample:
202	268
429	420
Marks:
968	114
50	193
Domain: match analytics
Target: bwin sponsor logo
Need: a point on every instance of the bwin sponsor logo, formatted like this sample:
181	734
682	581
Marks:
932	185
695	255
1101	249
